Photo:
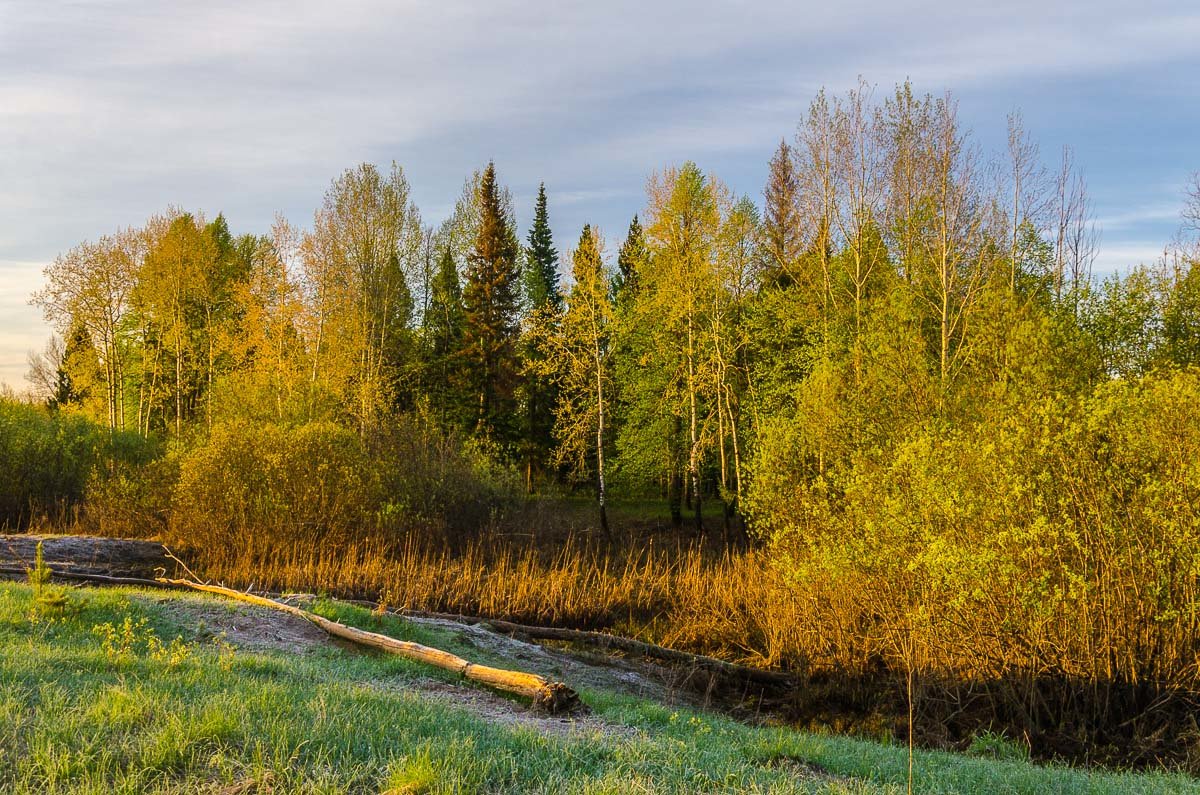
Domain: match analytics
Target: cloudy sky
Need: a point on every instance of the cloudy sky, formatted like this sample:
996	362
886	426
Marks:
111	111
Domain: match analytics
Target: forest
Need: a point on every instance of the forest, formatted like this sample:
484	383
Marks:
880	425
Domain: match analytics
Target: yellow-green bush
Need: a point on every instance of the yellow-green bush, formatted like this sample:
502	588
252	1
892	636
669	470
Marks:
256	481
1059	537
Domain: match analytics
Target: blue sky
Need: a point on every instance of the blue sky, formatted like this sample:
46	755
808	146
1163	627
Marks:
111	111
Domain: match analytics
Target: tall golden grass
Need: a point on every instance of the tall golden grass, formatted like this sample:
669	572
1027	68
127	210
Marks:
732	604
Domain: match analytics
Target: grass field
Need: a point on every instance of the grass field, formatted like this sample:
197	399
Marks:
119	692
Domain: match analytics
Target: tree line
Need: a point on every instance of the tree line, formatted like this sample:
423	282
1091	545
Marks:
893	278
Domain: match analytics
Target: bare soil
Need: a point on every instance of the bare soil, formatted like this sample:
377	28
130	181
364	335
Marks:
115	557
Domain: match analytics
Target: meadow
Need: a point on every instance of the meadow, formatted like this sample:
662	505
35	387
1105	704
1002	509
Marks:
119	692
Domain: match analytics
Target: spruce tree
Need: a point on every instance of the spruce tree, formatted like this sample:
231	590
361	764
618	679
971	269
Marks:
541	260
782	239
543	299
491	301
444	329
630	259
75	370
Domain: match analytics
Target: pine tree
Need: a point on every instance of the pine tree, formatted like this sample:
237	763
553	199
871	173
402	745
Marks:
782	239
630	259
542	297
541	269
444	331
491	300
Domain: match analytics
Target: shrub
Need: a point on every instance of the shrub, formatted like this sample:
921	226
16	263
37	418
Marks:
45	462
253	481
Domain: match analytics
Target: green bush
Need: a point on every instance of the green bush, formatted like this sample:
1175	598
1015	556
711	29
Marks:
321	482
46	461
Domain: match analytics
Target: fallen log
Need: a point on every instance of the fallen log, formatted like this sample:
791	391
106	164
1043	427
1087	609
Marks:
102	579
605	641
553	697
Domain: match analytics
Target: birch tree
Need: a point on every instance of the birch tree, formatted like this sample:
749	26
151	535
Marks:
91	287
360	260
576	349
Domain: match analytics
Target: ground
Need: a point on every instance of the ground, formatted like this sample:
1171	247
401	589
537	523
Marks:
124	690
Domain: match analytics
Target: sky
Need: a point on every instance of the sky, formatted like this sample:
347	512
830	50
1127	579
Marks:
111	111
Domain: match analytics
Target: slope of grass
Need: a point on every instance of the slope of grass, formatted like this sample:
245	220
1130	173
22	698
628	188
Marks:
101	697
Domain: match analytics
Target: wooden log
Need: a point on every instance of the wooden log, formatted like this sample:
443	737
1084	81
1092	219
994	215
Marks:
100	579
554	697
605	641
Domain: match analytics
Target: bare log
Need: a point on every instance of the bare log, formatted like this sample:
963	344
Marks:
605	641
554	697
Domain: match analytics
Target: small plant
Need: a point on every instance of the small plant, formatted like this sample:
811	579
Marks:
226	652
132	639
46	597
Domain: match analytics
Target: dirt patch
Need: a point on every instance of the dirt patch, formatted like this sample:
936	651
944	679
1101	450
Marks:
115	557
496	709
242	626
255	629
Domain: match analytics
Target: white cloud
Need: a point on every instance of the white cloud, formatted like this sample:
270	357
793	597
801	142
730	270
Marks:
111	110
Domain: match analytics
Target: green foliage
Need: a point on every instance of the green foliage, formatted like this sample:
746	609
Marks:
491	302
46	462
543	299
631	260
311	482
540	275
1066	526
39	575
321	483
134	639
444	375
996	746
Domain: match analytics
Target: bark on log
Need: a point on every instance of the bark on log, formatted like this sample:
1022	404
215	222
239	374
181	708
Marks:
605	641
554	697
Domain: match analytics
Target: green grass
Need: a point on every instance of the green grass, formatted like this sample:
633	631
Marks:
85	715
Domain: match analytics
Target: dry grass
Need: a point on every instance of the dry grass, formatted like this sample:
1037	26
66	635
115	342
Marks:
732	604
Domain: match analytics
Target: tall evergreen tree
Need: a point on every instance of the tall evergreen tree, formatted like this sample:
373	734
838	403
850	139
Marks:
541	269
491	300
78	372
444	331
544	298
630	259
781	227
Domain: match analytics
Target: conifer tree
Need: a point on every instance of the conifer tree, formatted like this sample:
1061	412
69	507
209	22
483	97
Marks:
78	371
541	269
542	296
630	259
444	333
491	301
781	229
